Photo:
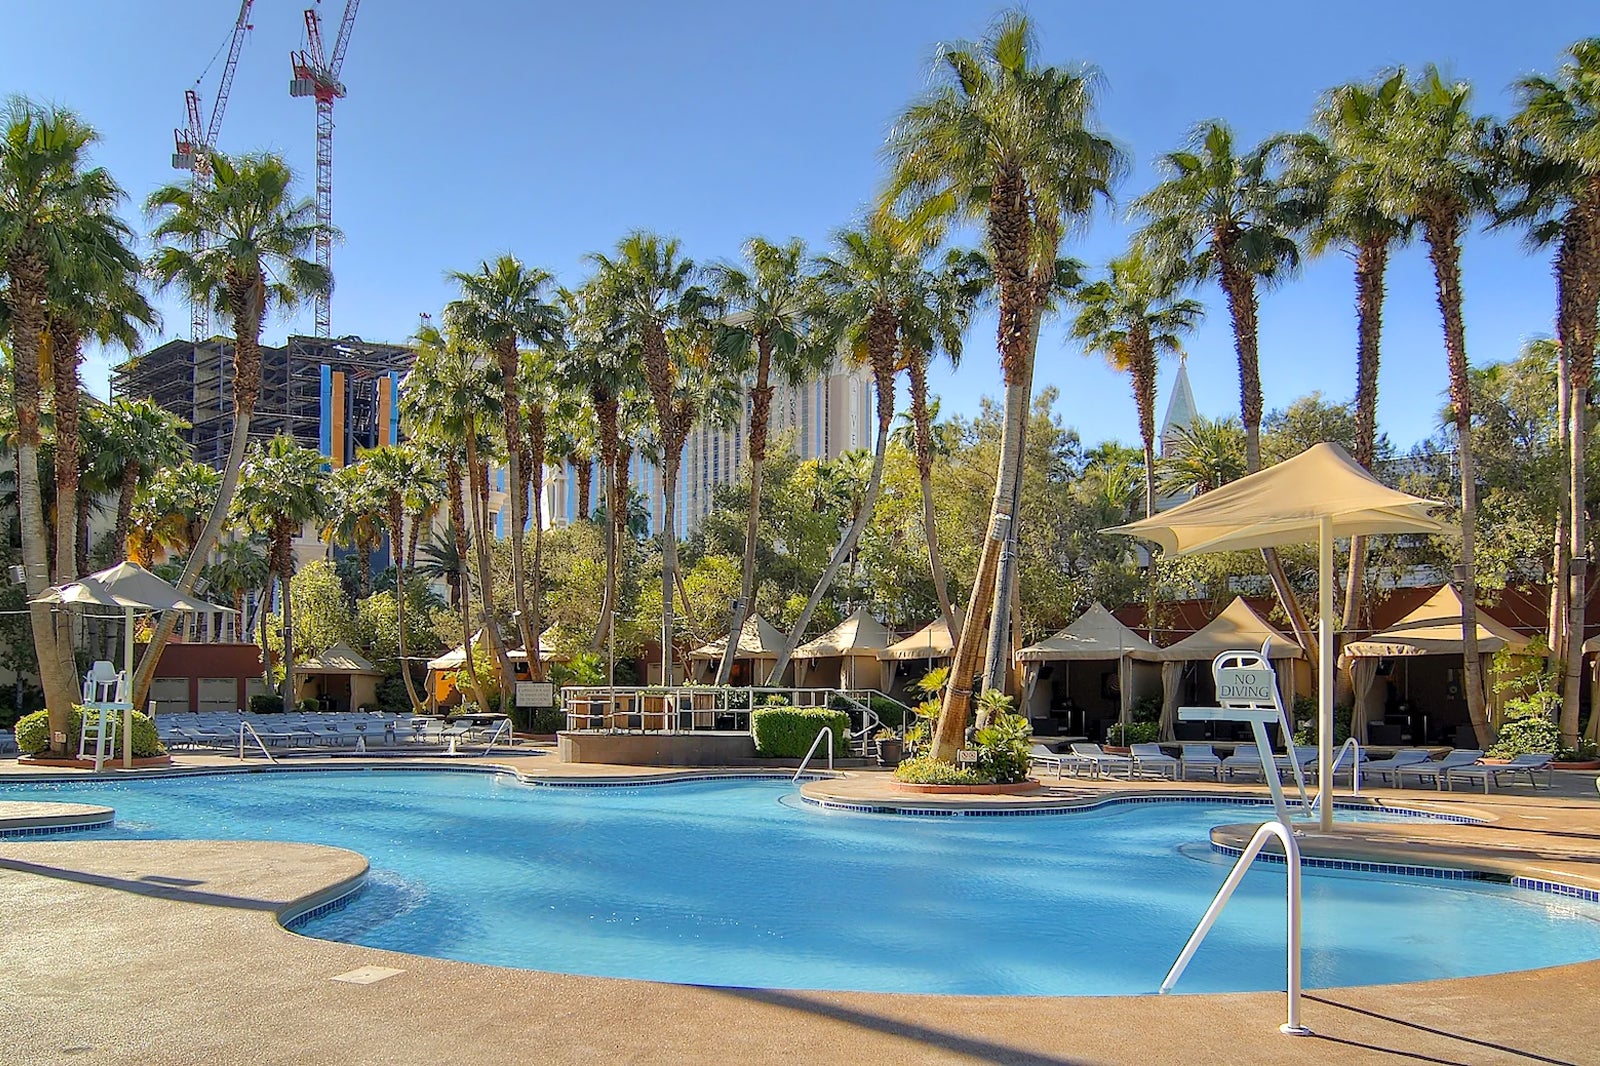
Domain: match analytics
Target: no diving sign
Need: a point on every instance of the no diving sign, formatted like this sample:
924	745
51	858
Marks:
1237	685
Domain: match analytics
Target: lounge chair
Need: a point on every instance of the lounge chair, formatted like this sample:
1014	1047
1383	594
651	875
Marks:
1383	769
1150	757
1202	758
1522	764
1039	755
1091	757
1433	771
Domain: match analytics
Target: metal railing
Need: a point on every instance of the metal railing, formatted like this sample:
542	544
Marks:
246	727
826	731
1291	859
1351	747
701	708
500	728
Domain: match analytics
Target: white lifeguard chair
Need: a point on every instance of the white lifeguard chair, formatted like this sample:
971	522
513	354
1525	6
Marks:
105	710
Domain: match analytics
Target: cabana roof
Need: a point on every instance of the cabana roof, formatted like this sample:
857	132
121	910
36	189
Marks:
339	659
456	658
1095	635
932	641
758	639
1436	628
1237	628
859	635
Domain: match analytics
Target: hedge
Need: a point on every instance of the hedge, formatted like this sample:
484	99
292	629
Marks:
33	734
926	770
789	732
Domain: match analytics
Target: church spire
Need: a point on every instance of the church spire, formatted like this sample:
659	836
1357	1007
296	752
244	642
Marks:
1181	409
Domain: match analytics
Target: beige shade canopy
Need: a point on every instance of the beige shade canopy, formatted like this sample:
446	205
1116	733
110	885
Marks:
1436	628
339	659
1286	504
859	635
932	641
1237	628
758	639
1592	645
130	587
1095	635
456	658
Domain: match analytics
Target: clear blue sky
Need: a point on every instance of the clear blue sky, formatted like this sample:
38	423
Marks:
551	129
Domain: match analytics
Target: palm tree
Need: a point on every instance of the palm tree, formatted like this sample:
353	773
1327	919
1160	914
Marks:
56	219
936	306
1429	166
354	518
503	303
282	487
1335	203
863	286
1132	317
544	396
140	438
399	473
1013	144
237	569
238	244
771	302
171	510
572	441
1205	455
1224	215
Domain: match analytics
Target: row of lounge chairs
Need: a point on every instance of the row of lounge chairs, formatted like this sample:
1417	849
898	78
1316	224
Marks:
1405	765
220	729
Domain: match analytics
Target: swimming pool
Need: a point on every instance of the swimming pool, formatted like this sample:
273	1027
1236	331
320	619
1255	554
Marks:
731	882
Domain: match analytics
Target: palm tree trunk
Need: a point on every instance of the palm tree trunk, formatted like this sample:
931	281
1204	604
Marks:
535	607
584	472
670	577
516	476
1372	261
458	526
1142	369
1578	281
881	341
85	501
64	356
125	496
396	516
760	415
1443	232
605	407
918	372
477	475
1556	631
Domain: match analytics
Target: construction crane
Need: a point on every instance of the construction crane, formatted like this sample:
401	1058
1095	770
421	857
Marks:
194	144
318	76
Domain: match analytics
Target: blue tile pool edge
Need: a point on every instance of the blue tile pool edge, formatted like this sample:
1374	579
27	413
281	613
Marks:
52	830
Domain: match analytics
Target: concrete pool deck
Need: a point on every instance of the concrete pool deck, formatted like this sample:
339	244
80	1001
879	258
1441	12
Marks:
171	952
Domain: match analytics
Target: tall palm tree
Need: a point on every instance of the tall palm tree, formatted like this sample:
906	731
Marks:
140	438
238	244
1002	140
1429	166
572	440
1221	214
769	335
399	473
56	219
238	568
1132	317
503	303
171	510
1557	171
863	284
354	518
1334	201
936	306
544	395
282	487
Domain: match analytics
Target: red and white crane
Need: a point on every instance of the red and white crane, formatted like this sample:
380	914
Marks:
195	143
318	76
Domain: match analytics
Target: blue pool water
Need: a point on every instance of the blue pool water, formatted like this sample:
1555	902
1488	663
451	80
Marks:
732	882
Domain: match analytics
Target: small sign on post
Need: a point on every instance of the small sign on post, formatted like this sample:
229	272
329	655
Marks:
966	757
536	694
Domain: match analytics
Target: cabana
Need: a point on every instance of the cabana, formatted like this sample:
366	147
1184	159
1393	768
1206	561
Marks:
339	679
442	670
1095	668
846	656
1186	665
759	644
1419	661
905	661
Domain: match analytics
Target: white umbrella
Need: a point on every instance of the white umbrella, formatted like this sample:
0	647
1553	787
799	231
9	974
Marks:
1321	494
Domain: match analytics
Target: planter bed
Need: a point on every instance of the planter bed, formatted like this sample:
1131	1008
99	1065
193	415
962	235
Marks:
111	762
1016	789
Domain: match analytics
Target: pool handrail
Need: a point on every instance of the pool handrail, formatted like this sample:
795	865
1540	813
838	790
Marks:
246	727
1291	859
1352	747
825	730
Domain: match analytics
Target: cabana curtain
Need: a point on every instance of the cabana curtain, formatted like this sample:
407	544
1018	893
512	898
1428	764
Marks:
1363	683
1171	696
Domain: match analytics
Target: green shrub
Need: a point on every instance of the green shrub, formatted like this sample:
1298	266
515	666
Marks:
1137	733
775	700
33	734
266	703
1528	728
891	713
539	719
926	770
308	706
789	732
1307	735
1003	748
1147	709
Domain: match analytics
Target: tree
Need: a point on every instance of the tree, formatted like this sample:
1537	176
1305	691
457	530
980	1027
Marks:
401	474
282	486
1556	167
140	438
353	517
1428	166
238	569
1002	140
237	244
58	233
1219	214
771	304
1204	456
1132	317
171	510
503	303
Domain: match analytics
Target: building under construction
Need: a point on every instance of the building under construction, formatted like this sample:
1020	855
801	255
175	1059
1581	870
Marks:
337	396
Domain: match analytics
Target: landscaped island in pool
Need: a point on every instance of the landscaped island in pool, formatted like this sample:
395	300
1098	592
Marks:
734	882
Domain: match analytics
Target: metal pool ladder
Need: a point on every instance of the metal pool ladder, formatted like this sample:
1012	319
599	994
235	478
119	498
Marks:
246	727
827	731
1291	857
